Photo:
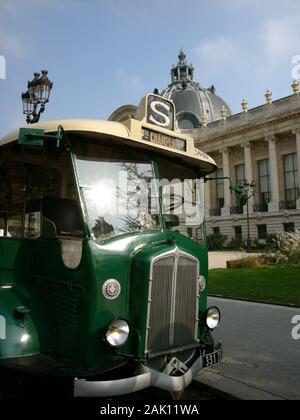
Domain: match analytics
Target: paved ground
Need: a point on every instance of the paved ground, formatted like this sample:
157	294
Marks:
218	259
262	361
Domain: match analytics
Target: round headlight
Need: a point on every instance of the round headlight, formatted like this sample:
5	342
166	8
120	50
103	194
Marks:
213	317
117	333
202	283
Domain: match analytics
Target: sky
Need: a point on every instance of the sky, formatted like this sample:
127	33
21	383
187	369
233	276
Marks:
102	54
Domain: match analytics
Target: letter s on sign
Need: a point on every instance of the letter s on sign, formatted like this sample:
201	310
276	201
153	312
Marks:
166	120
2	328
296	329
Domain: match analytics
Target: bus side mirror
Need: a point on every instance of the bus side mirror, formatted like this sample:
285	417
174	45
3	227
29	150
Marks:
31	137
36	137
171	220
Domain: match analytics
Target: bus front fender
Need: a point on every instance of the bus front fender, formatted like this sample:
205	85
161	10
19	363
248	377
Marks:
25	327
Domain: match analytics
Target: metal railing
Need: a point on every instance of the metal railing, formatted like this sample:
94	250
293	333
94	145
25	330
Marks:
288	205
261	208
215	212
236	210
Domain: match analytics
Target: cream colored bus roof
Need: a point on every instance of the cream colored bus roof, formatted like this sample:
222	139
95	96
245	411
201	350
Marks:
121	133
95	126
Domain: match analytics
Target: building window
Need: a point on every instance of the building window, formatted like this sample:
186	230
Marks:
220	189
264	184
291	180
190	232
289	227
216	231
238	232
20	197
262	231
187	121
240	174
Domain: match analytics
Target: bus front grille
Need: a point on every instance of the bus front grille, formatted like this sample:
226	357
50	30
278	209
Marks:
173	302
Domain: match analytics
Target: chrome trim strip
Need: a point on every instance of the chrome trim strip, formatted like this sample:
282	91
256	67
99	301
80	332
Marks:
146	378
173	302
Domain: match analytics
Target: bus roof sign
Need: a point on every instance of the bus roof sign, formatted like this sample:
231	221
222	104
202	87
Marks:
160	112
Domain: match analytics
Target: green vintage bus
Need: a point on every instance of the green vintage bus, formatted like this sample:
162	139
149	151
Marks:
103	261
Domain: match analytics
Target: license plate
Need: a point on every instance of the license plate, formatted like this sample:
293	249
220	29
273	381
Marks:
212	359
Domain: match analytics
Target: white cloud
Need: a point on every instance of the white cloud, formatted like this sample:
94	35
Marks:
274	42
131	81
14	7
217	51
281	38
12	43
267	7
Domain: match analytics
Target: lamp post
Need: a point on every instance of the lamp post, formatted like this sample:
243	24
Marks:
35	98
248	191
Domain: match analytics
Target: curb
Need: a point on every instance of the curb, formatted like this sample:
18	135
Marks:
287	305
222	395
228	388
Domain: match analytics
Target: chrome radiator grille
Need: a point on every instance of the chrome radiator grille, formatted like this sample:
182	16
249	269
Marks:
173	301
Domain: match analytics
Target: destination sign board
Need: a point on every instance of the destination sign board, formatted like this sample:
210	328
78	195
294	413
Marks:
164	140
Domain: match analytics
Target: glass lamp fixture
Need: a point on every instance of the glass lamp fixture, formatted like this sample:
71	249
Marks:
35	99
43	88
28	105
32	87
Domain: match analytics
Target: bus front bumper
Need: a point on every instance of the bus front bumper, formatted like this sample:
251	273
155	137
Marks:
147	378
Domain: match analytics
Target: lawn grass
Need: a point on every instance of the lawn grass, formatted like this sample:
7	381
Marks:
272	284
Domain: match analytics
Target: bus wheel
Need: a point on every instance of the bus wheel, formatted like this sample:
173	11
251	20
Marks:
10	385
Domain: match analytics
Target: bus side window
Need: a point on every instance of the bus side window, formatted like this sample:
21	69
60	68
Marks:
2	226
22	187
64	215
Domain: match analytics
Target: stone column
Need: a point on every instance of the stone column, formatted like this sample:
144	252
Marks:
248	172
274	178
297	133
227	192
207	198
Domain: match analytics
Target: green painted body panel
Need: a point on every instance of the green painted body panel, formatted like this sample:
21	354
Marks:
47	308
68	311
29	333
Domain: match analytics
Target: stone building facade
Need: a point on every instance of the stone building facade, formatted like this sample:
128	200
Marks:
259	146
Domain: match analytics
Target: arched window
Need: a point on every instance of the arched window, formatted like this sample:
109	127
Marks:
188	121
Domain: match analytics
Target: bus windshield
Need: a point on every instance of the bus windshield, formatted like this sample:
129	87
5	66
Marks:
120	195
183	196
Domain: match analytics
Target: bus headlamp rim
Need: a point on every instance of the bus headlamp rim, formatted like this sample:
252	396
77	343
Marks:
209	314
123	329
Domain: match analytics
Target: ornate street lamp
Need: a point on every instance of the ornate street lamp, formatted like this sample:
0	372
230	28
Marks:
247	190
36	97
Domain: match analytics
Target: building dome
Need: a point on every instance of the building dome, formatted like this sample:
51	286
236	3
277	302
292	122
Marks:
194	104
